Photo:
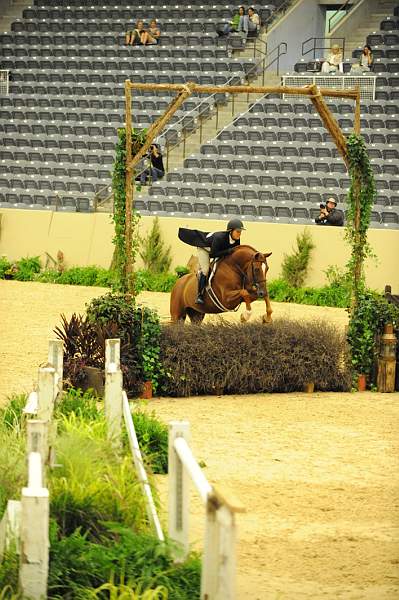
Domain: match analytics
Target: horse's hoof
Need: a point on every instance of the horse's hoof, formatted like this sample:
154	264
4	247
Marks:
267	319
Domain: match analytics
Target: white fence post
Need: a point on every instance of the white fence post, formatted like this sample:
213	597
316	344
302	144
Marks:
46	393
113	390
56	360
10	526
179	499
37	441
33	571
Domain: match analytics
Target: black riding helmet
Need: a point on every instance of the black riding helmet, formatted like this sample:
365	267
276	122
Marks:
235	224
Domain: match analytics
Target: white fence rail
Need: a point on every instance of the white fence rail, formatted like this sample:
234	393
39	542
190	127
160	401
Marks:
366	83
218	569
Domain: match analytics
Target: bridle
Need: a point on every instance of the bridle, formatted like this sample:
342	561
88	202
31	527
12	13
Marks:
256	283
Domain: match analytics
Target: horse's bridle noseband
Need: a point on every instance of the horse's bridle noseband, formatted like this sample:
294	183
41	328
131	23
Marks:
255	284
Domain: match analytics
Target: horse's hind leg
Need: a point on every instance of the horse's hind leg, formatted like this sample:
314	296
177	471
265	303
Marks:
195	316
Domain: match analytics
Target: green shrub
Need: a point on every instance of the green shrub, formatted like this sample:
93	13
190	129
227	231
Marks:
154	282
367	322
48	276
89	276
77	564
12	466
329	295
93	485
155	256
82	404
281	357
295	266
181	270
27	268
9	568
5	265
11	414
152	436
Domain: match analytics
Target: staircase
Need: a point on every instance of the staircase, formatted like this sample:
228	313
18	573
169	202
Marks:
371	23
10	10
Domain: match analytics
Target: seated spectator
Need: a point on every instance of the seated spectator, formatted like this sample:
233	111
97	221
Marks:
365	61
233	25
134	38
152	34
249	22
156	170
329	214
333	62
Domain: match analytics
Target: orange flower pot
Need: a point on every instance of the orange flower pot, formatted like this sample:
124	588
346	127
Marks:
146	394
361	383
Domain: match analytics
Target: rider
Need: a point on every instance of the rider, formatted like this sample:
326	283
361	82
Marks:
211	245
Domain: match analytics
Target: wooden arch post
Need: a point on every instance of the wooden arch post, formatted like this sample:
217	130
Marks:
315	94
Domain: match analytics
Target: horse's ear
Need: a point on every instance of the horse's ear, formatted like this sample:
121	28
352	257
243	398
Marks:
258	256
267	254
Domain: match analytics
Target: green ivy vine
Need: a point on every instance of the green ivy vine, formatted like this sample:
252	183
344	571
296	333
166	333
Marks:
361	198
121	283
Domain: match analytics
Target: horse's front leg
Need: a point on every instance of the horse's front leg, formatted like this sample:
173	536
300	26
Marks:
267	318
246	314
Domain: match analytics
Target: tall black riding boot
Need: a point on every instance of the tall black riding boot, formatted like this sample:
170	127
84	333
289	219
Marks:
201	288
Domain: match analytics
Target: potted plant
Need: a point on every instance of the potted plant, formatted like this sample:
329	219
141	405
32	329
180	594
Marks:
10	272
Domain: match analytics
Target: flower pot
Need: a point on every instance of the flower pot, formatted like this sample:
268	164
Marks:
361	383
309	388
8	276
94	380
146	394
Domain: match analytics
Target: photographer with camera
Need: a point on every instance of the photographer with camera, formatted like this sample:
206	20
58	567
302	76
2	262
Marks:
155	170
329	214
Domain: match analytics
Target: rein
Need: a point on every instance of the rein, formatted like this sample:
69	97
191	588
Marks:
245	276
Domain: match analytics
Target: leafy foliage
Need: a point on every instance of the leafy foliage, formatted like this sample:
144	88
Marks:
121	282
27	268
155	255
9	567
278	358
367	320
152	436
77	564
295	266
334	294
361	198
5	265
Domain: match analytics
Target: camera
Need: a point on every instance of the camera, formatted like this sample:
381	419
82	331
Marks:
322	205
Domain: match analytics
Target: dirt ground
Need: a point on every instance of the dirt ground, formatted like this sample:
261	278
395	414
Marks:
318	474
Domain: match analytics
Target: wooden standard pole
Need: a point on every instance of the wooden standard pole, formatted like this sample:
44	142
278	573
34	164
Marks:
128	191
358	258
160	123
329	122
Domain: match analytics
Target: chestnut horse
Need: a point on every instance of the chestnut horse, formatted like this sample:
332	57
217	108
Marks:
240	277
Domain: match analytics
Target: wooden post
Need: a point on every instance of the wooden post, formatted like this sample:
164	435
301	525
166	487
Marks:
387	361
37	441
46	393
128	191
178	497
113	391
34	534
56	360
329	122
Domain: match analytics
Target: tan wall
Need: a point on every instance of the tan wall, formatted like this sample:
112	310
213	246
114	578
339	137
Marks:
86	239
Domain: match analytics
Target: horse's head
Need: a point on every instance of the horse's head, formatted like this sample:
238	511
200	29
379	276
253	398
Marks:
254	269
258	269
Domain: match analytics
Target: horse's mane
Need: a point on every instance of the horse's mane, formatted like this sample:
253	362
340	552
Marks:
244	246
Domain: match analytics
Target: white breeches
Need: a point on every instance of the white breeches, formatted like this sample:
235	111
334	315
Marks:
203	259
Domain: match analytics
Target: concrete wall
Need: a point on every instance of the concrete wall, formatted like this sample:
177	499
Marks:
305	20
86	239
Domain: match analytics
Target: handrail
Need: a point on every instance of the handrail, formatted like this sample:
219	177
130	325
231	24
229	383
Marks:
336	12
315	47
269	64
281	9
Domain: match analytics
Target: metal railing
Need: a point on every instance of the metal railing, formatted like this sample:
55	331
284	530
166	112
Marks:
4	81
347	6
315	46
279	12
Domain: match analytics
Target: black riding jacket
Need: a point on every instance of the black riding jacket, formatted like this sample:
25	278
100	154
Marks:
218	242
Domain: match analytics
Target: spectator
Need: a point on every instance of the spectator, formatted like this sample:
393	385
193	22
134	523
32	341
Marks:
333	62
365	61
135	37
329	214
156	169
234	23
249	22
152	35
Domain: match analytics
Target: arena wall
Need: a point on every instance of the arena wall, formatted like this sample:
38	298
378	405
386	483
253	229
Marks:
86	239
